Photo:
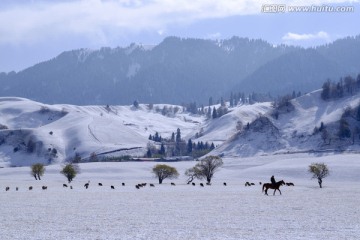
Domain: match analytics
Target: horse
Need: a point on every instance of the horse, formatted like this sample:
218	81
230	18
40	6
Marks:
275	186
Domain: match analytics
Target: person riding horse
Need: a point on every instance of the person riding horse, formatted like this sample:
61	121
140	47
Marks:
272	179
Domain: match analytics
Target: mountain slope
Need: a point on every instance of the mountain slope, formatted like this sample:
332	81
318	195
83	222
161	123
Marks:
181	71
294	130
175	71
32	131
55	133
302	70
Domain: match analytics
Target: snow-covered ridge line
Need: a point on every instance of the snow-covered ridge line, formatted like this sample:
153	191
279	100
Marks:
33	132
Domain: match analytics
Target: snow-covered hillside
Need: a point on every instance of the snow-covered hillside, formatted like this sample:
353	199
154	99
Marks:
293	130
35	132
35	129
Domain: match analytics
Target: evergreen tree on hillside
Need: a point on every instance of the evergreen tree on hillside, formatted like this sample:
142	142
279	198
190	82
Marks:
232	100
214	113
222	102
209	112
189	146
136	104
178	135
344	129
358	113
162	149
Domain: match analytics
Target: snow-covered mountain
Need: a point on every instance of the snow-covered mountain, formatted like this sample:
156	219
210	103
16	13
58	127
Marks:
32	131
181	71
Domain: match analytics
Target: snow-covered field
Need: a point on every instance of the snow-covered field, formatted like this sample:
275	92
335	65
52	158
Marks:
183	211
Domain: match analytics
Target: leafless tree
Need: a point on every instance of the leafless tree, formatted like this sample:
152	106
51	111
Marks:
192	173
207	167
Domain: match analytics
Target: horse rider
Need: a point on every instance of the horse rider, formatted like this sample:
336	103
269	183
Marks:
272	179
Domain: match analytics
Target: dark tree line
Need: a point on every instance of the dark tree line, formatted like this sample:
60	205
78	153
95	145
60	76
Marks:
198	149
176	146
156	137
345	86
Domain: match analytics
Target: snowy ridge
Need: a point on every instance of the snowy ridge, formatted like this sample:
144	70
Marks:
293	131
80	130
33	132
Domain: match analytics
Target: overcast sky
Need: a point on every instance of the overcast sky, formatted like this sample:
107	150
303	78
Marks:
32	31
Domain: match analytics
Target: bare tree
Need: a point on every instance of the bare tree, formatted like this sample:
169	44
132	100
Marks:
37	170
207	167
163	171
319	171
192	173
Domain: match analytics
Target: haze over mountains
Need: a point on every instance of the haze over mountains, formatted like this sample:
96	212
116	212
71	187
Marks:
181	71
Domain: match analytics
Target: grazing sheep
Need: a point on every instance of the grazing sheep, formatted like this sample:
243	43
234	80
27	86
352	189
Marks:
71	187
30	188
224	183
86	185
7	188
100	184
123	184
17	189
64	185
260	183
252	184
44	187
201	184
112	187
209	184
152	185
290	184
247	184
137	187
173	184
193	184
143	184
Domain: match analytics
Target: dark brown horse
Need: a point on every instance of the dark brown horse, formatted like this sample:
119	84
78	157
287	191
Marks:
275	186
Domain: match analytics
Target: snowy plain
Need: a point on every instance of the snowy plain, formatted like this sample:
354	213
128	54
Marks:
183	211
